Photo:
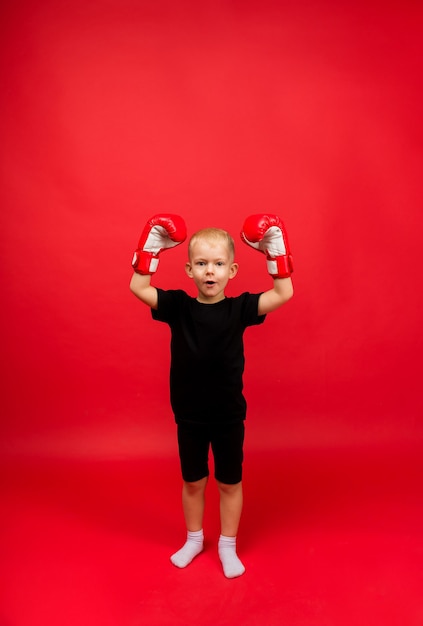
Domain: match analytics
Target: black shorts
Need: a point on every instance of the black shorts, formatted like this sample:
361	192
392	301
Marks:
226	441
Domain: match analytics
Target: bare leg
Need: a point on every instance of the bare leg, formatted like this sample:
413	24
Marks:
193	500
231	500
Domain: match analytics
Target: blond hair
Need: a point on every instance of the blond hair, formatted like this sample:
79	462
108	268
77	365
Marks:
213	234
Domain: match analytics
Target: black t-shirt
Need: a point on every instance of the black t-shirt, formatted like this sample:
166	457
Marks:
207	354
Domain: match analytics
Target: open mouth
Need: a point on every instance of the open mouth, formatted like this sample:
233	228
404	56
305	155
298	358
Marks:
210	283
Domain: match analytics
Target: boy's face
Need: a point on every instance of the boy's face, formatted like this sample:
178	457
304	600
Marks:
211	267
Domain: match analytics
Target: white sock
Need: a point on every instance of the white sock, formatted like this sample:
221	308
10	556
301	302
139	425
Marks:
190	549
232	566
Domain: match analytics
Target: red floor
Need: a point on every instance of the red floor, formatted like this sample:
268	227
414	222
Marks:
329	538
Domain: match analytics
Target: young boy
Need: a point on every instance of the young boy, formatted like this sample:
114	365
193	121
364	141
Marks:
207	360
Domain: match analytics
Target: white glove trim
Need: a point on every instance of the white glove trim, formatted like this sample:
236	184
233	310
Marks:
158	239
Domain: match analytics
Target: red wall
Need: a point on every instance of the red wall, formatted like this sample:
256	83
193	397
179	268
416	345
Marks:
113	111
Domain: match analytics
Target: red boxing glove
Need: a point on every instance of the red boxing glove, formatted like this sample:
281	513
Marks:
267	234
161	232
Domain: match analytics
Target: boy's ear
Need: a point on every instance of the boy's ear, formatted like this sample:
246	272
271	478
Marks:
233	270
188	269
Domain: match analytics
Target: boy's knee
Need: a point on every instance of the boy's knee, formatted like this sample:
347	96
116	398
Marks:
229	488
195	487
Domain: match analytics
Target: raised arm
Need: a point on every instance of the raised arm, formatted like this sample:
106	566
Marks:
161	232
267	234
141	286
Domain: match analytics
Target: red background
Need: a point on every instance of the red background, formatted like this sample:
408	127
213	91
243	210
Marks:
113	111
